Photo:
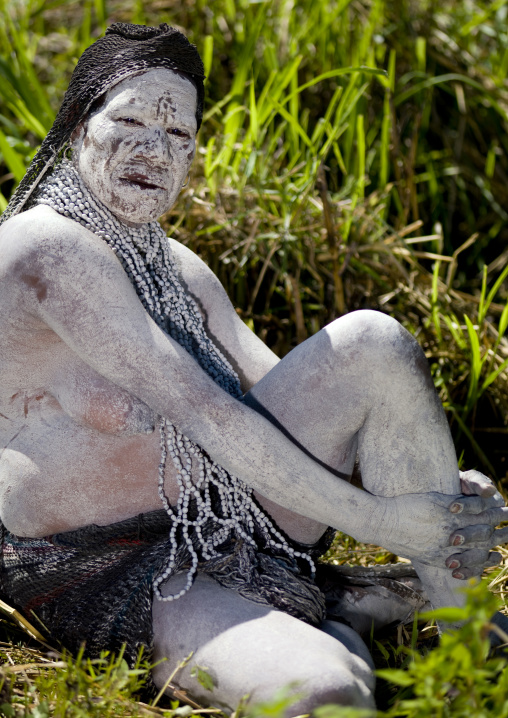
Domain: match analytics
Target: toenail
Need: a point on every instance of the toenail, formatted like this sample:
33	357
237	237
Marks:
453	564
458	540
456	508
457	574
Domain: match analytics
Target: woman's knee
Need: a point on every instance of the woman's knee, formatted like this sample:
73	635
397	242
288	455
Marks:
376	343
322	670
261	653
310	679
336	685
367	331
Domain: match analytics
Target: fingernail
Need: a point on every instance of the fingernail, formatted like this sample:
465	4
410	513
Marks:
457	574
453	564
458	540
456	508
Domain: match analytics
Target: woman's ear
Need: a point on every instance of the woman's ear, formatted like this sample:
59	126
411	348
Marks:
77	136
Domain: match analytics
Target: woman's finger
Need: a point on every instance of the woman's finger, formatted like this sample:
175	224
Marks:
474	483
478	505
473	559
471	535
500	536
494	517
474	570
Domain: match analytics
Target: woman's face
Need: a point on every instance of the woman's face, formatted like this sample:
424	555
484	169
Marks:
135	153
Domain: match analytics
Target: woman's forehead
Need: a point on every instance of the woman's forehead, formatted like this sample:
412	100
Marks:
159	89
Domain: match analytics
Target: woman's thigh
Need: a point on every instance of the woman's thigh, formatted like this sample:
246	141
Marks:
363	384
249	649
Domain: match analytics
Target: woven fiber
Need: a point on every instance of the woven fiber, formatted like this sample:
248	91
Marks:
94	584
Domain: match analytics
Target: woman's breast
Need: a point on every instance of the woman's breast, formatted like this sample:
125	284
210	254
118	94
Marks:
60	470
82	450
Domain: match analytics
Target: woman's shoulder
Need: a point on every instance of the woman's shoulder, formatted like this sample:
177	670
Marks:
40	232
38	223
203	285
193	270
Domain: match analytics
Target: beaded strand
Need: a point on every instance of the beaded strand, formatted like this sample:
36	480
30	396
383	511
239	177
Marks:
146	258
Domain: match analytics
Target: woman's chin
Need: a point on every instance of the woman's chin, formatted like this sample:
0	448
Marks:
140	213
136	218
140	209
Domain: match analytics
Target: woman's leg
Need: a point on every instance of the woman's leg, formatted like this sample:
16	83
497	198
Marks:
249	649
362	384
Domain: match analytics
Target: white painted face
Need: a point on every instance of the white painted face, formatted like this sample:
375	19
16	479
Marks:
135	153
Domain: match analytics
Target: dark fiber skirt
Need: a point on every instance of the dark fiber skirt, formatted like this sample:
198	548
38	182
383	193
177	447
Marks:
94	585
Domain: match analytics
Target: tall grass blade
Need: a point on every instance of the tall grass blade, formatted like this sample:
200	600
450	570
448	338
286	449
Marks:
12	159
493	291
207	55
476	365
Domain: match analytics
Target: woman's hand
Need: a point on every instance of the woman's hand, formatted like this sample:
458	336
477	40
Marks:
473	560
429	526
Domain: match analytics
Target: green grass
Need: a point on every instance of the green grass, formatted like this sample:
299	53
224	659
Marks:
459	678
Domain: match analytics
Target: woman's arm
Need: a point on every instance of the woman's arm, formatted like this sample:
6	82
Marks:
83	294
250	356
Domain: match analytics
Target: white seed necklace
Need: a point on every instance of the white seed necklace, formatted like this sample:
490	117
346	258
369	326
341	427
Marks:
146	257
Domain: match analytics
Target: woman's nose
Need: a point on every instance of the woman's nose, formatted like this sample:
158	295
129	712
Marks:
154	145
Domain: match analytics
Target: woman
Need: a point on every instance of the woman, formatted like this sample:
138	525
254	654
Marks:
123	359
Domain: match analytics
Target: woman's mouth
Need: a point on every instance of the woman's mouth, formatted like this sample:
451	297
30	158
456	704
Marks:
142	181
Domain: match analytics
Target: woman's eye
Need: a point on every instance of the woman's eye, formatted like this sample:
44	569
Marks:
131	121
177	132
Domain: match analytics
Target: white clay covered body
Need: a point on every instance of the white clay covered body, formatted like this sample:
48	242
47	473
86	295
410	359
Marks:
85	371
